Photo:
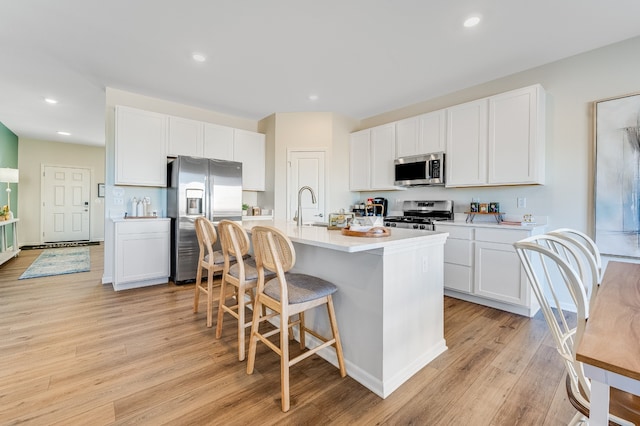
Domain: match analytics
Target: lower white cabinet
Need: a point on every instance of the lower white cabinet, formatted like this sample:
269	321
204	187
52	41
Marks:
481	266
141	252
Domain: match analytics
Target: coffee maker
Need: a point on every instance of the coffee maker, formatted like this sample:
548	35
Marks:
380	206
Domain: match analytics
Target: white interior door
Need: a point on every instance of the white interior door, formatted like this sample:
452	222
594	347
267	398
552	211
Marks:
306	168
65	205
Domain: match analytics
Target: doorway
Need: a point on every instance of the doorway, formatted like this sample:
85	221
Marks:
306	168
65	204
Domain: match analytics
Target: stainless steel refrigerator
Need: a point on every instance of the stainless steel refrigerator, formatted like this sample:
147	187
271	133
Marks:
199	187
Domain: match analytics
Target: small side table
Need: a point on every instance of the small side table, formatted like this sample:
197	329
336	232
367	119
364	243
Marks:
4	254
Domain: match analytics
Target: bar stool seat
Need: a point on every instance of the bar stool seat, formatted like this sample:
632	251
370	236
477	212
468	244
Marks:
302	288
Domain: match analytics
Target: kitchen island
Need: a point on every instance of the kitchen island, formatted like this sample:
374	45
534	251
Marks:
389	304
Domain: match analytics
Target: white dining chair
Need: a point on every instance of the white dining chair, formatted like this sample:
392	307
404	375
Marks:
547	261
590	253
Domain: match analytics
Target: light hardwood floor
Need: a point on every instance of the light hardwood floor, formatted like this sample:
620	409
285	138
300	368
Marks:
73	351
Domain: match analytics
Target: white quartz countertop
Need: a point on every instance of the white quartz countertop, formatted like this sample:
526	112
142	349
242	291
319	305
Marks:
333	239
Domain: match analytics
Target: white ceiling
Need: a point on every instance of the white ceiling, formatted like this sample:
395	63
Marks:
361	57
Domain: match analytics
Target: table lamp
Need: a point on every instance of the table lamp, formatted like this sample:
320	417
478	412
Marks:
9	176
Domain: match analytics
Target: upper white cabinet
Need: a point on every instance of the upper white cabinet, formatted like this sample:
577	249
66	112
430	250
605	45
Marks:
185	137
423	134
140	147
249	149
517	137
371	156
218	142
466	159
144	140
498	140
360	161
227	143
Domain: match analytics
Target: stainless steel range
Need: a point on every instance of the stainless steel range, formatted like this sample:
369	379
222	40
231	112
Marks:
421	214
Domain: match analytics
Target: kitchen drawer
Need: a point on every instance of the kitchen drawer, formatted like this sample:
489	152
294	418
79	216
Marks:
506	236
460	232
458	277
458	251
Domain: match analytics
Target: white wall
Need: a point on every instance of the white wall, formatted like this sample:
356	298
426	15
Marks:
32	155
572	86
309	130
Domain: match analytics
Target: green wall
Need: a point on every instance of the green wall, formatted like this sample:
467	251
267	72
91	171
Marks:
9	158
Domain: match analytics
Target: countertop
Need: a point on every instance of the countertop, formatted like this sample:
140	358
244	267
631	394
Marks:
257	217
488	224
333	239
139	219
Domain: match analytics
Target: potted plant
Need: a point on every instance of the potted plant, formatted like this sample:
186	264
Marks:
4	213
245	208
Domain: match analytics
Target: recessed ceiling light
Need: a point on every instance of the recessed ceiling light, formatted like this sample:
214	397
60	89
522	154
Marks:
313	97
472	21
199	57
64	133
50	101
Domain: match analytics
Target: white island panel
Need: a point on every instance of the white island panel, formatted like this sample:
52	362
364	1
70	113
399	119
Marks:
389	304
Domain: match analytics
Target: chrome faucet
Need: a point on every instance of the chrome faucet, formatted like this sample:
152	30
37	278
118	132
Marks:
298	217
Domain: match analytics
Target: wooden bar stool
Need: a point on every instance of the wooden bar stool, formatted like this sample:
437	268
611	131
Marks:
212	261
286	295
242	275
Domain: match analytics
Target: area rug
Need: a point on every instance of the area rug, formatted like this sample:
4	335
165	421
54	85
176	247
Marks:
59	261
62	244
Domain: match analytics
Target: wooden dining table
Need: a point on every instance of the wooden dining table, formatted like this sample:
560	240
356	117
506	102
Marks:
610	346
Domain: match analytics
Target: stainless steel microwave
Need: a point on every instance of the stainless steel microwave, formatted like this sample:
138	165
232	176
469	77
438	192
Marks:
420	170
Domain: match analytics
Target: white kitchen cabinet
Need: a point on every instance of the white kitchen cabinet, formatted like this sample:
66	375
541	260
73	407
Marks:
458	255
218	142
185	137
249	149
407	134
516	143
498	140
481	266
383	154
466	159
360	161
371	156
140	147
423	134
498	273
141	252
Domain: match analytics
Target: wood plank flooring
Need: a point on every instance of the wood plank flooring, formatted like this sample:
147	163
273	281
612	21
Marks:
73	351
